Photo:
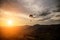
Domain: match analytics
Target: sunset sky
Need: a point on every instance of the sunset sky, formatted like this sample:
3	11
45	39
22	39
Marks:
18	11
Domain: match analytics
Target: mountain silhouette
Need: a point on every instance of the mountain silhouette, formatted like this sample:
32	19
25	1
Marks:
37	32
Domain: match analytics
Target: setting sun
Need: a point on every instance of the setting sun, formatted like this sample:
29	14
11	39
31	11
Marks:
10	22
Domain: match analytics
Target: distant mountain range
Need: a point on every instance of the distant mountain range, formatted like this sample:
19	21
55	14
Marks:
39	32
42	32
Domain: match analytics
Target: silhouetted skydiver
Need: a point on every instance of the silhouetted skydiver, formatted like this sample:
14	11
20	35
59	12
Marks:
30	15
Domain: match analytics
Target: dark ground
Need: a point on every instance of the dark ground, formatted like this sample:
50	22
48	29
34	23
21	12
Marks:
38	32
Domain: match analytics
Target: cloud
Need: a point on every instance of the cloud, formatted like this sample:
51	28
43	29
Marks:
44	11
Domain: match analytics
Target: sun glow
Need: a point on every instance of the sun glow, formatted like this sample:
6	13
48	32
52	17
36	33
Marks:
10	22
12	19
9	27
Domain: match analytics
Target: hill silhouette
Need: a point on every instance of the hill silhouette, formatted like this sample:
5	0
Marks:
37	32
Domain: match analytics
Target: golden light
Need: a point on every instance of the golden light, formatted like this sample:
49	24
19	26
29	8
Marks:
10	22
11	19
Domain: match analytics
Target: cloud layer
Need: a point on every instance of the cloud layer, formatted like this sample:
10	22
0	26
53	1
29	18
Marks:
44	11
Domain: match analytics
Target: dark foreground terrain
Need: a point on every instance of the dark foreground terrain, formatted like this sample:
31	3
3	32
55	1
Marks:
37	32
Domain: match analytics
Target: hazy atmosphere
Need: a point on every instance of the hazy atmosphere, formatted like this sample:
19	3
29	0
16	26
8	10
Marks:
30	12
29	19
